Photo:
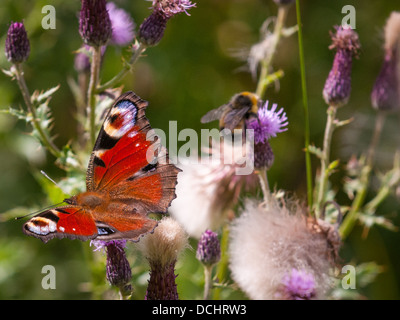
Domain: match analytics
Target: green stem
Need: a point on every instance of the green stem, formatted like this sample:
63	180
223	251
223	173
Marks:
48	143
351	217
266	63
222	267
262	175
207	282
330	127
91	99
127	67
305	107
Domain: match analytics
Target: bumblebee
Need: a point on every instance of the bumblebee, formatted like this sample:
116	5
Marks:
232	115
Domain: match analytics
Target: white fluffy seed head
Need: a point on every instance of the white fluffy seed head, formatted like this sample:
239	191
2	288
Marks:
268	242
165	244
392	32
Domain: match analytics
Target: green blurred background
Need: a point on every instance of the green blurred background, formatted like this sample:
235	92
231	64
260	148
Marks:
195	68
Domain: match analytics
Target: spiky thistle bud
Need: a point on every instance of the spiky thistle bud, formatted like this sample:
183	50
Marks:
338	84
17	46
208	249
162	249
118	270
94	23
385	93
152	29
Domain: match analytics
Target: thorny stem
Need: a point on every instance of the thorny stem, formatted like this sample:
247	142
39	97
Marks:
19	74
351	217
305	107
91	99
124	71
330	127
266	63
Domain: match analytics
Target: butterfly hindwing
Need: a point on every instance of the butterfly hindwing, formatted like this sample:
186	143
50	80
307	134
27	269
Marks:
72	222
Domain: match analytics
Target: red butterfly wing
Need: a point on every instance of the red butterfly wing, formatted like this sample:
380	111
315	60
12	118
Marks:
128	176
128	160
63	222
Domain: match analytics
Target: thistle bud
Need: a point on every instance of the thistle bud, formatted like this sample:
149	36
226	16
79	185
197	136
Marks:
161	249
208	249
338	84
118	270
17	46
94	23
385	93
152	29
263	155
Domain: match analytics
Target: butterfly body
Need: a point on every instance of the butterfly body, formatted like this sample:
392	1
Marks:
128	176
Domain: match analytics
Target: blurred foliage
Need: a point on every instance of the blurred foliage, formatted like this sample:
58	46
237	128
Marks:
194	69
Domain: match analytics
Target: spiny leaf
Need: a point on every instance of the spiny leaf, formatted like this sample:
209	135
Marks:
39	97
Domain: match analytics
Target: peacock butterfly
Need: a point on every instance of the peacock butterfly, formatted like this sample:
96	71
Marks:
129	176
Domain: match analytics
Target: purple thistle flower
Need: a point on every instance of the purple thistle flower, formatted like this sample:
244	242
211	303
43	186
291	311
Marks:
122	25
118	270
385	94
172	7
152	29
94	23
337	87
268	124
208	249
17	46
298	285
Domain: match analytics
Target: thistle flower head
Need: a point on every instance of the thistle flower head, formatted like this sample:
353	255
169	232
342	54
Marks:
152	29
172	7
337	87
385	94
267	241
208	248
162	249
346	39
297	285
122	25
208	188
118	270
392	35
94	23
17	46
269	123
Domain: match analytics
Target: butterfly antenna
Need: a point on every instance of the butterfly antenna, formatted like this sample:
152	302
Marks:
39	211
55	183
